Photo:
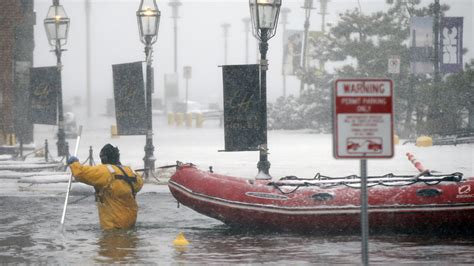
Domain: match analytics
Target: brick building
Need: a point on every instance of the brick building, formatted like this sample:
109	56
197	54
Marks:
17	20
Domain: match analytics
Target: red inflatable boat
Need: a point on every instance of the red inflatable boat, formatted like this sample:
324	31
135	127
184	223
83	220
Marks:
407	204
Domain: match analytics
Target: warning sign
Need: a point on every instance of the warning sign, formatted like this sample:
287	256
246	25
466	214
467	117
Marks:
363	118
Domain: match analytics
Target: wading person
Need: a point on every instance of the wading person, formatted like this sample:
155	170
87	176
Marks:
115	185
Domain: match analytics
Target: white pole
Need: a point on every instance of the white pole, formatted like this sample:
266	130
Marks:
70	177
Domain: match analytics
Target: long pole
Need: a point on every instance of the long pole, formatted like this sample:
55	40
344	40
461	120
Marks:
284	21
434	114
436	10
78	140
263	165
175	4
364	217
308	6
88	59
149	148
247	31
323	4
225	27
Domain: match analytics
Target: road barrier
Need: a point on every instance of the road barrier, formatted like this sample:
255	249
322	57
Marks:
113	131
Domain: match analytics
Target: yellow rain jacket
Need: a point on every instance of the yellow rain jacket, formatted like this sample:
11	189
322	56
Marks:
115	196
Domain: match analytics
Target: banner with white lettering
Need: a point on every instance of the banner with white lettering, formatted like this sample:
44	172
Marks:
451	35
421	40
129	96
45	83
242	126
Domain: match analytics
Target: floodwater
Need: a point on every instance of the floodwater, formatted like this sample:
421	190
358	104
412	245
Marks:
30	217
30	233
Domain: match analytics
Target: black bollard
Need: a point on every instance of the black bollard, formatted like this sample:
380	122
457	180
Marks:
67	151
21	147
46	150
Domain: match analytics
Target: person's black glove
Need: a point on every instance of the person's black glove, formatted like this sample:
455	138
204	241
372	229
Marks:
72	159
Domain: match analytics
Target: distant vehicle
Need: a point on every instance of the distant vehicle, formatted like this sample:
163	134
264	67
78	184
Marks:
194	107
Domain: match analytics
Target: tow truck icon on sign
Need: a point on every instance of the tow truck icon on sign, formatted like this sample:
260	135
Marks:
364	145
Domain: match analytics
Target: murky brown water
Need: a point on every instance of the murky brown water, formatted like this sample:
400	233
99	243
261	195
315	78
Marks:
30	233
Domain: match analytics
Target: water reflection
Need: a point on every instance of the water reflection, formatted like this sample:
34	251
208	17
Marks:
118	246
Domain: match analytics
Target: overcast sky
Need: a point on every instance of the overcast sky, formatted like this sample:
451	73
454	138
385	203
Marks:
115	39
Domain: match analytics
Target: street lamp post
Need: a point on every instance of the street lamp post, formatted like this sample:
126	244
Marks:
56	25
264	15
308	6
148	17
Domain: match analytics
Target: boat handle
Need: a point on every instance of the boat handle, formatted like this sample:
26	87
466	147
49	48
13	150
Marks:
428	192
322	196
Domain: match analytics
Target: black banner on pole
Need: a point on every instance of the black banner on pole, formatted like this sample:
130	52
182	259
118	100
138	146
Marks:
45	82
129	96
242	126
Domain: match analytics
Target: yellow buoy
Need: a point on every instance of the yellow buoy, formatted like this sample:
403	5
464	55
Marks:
424	141
180	240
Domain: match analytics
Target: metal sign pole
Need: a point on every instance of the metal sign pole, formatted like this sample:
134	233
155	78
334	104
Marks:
363	129
364	218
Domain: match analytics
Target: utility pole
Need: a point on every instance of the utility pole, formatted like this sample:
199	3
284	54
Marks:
308	6
323	5
436	11
434	113
88	58
246	22
284	21
175	4
225	27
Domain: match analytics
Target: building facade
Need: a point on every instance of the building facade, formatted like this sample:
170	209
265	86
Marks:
17	20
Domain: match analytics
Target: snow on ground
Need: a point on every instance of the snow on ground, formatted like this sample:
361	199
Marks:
5	157
29	167
8	174
298	153
291	152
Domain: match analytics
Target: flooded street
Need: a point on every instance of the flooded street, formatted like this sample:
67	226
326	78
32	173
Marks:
30	222
30	233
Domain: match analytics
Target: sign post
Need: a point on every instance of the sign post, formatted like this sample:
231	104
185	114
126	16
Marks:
363	129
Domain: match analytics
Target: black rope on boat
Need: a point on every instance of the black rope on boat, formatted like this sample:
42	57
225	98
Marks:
454	177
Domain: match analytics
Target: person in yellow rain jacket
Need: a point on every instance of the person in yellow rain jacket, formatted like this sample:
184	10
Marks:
116	187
